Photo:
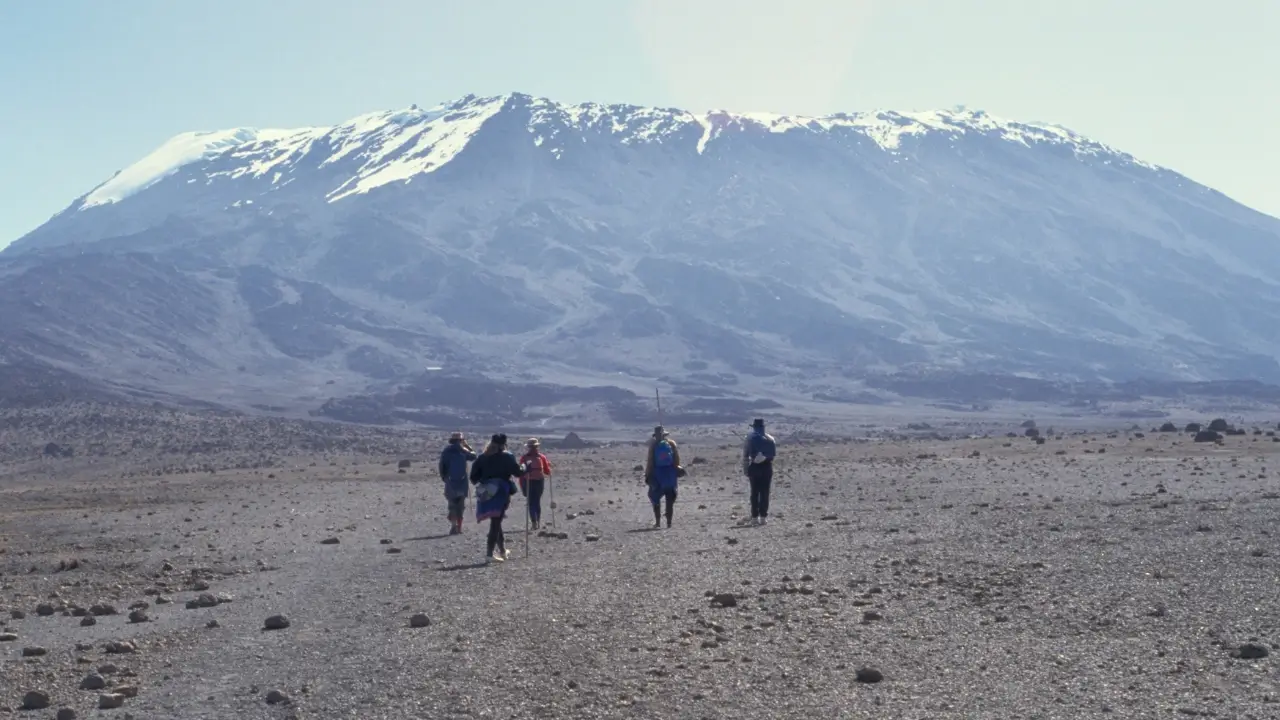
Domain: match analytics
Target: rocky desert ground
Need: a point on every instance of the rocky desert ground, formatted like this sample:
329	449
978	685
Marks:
178	565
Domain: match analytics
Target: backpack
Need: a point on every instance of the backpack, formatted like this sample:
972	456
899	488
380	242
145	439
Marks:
456	464
762	443
663	455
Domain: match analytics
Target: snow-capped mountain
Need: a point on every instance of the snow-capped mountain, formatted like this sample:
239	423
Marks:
587	243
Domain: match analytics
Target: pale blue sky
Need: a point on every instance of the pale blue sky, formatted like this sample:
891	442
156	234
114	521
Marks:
87	86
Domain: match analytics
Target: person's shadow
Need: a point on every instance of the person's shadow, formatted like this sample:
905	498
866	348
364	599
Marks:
455	568
429	537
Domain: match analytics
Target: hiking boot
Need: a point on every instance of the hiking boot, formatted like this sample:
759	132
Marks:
498	557
764	521
668	521
505	553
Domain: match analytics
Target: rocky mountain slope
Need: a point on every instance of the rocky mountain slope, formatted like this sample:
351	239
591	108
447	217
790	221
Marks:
733	256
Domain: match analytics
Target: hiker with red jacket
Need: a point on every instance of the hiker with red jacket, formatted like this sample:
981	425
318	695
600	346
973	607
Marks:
537	469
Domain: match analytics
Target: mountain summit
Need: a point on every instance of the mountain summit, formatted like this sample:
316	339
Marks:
741	253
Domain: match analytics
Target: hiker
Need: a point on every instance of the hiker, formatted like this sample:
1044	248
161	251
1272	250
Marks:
491	473
661	473
758	450
537	469
453	471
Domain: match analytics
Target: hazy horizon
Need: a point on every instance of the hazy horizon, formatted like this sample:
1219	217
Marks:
95	89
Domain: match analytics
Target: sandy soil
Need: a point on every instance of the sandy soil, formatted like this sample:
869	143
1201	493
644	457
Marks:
1090	576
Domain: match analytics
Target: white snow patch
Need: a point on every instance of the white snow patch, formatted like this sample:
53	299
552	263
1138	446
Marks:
182	150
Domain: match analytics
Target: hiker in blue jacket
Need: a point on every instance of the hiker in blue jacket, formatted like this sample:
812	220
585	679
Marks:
662	471
758	450
453	471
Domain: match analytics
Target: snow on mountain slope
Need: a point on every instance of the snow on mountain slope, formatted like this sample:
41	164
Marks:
396	146
184	149
597	240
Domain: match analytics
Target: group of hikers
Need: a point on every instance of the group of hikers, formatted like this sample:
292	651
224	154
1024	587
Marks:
492	472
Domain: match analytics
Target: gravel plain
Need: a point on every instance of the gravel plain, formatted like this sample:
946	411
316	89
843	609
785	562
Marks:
1122	575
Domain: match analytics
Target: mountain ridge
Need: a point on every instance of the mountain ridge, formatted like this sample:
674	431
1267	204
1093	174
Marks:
590	244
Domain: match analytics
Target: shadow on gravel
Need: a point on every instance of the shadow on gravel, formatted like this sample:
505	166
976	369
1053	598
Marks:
642	530
441	536
472	566
745	527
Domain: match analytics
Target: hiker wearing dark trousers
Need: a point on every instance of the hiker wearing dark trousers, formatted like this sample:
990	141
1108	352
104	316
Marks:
662	471
537	469
758	450
453	471
491	473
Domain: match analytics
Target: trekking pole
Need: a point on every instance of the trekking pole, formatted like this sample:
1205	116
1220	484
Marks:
658	397
551	489
526	529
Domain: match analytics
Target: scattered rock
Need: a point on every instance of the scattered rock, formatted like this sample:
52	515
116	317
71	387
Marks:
139	616
1252	651
591	537
8	637
17	615
868	675
110	701
1207	436
103	609
123	647
404	464
276	622
66	714
419	621
93	682
45	610
385	541
212	625
88	621
724	600
330	541
34	651
275	697
35	700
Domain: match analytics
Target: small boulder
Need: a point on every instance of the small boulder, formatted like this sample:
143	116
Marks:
139	616
8	637
404	464
275	697
1252	651
276	622
93	681
34	651
88	621
66	714
110	701
330	541
419	621
35	700
869	675
1207	436
724	600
